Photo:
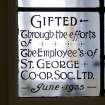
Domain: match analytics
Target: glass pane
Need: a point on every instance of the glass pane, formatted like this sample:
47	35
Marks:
104	3
58	54
58	3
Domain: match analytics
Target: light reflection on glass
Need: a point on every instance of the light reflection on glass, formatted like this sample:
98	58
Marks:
58	3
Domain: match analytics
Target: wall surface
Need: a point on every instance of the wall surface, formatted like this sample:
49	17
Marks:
3	52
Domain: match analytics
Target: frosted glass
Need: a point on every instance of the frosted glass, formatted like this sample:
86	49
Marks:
47	37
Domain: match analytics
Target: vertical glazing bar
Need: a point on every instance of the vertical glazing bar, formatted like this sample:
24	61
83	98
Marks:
102	45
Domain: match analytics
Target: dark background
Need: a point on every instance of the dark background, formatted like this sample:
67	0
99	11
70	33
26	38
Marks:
8	68
3	52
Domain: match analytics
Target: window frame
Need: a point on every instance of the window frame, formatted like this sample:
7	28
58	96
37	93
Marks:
13	58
